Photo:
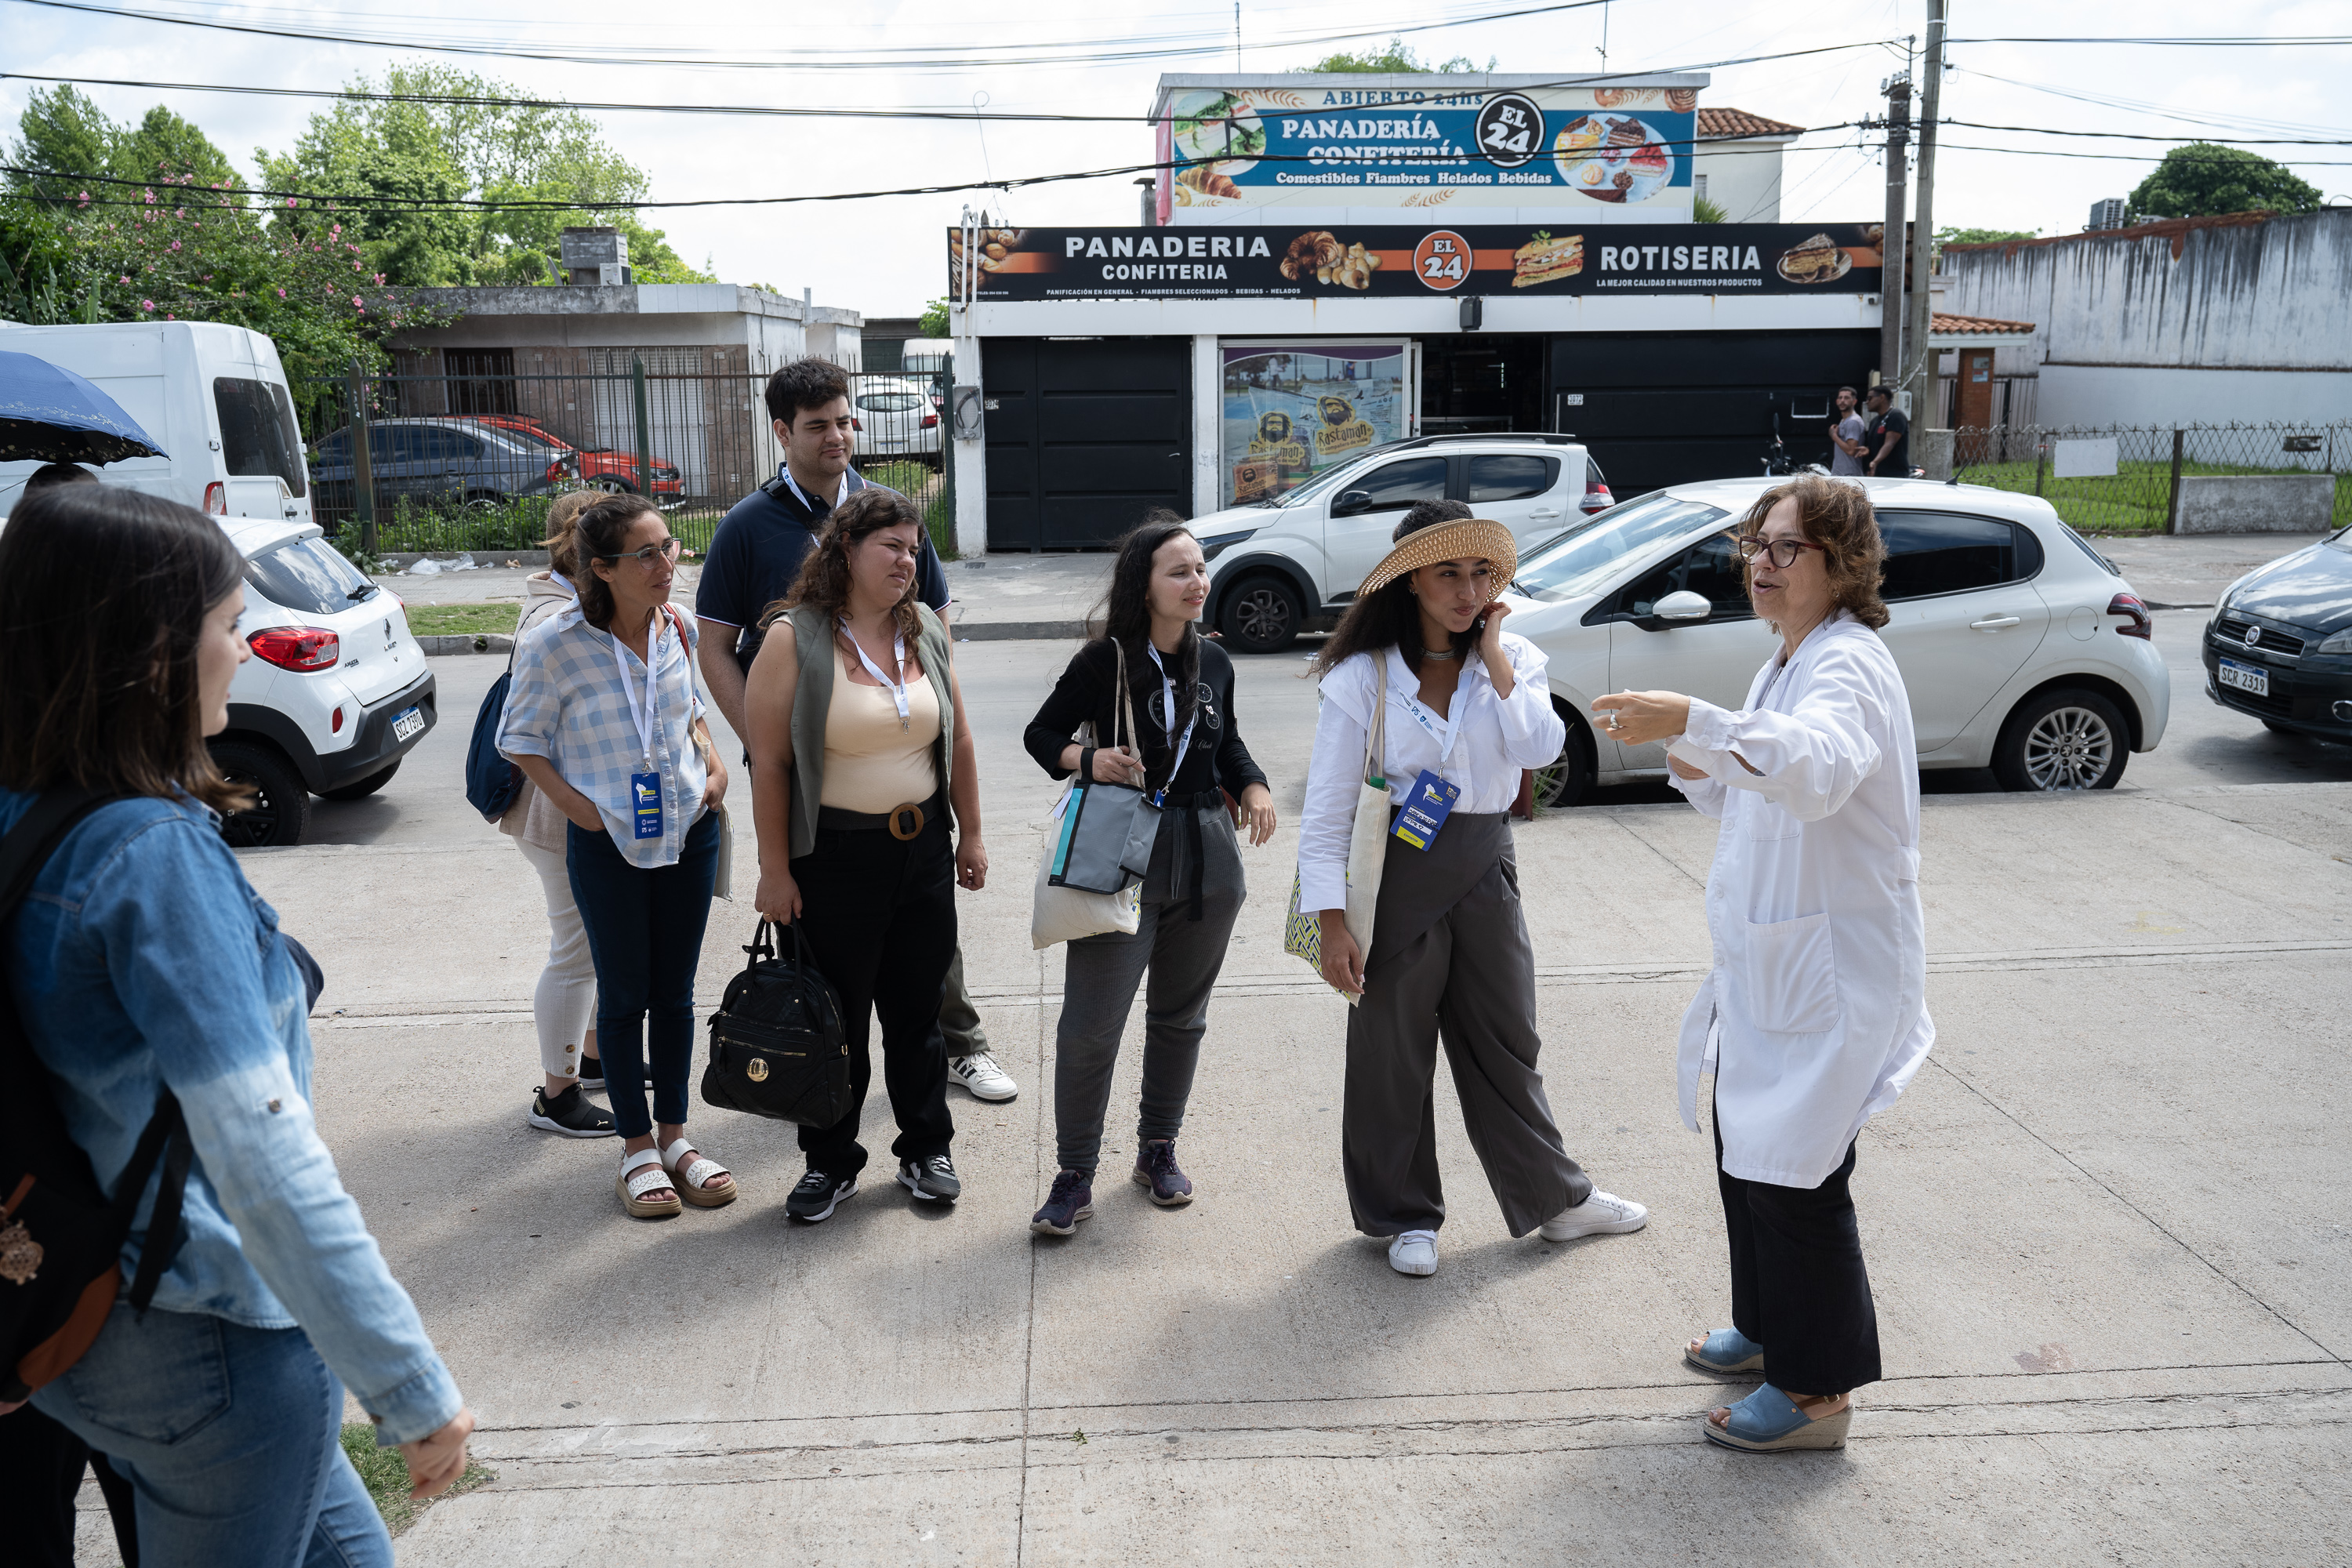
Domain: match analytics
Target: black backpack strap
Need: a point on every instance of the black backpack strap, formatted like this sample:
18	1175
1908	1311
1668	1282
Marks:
36	835
166	1135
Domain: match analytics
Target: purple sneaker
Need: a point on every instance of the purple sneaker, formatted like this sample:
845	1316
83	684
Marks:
1155	1167
1072	1200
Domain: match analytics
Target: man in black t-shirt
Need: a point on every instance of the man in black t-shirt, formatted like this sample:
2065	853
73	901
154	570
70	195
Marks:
754	556
1888	437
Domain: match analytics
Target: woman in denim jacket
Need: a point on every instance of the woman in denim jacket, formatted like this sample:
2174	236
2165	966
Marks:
143	960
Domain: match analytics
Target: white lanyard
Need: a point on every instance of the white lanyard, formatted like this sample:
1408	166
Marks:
1167	723
650	715
810	501
896	689
1452	730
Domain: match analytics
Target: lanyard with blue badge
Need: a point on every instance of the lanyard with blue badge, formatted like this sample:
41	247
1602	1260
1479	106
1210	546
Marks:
644	788
1167	722
1432	800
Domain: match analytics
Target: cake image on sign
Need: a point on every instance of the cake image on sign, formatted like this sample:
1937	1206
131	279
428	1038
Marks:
1613	158
1817	261
1543	259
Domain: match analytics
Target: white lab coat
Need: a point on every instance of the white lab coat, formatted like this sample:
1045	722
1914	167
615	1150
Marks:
1815	1017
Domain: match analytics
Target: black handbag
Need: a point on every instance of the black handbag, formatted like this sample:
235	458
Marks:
777	1045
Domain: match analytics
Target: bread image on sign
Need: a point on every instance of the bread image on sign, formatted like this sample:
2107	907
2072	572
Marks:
1817	261
1543	259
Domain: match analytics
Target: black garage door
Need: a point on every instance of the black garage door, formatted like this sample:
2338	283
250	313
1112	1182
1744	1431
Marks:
1664	408
1085	436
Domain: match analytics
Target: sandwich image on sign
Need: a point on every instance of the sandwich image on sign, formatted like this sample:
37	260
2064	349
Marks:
1545	259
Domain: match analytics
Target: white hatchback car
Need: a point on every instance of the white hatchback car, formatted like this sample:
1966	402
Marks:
336	693
2023	650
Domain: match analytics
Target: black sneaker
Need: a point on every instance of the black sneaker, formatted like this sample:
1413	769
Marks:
570	1114
815	1198
932	1180
591	1072
1156	1167
1072	1200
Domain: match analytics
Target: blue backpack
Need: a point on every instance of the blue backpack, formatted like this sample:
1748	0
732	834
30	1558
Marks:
492	781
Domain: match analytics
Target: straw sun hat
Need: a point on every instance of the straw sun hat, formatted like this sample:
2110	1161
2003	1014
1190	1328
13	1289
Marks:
1465	538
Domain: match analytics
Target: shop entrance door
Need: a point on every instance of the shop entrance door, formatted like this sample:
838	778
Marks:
1473	385
1084	436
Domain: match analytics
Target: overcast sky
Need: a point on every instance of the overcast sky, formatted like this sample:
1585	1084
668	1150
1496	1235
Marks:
884	257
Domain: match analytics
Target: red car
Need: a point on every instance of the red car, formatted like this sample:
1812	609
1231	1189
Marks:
606	467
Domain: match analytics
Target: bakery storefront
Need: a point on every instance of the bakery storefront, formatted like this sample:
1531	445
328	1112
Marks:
1242	348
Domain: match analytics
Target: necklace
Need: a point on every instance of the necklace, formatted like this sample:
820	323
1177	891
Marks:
1449	653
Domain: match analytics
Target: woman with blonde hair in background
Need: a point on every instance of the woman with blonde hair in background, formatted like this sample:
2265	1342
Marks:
1814	1018
564	1004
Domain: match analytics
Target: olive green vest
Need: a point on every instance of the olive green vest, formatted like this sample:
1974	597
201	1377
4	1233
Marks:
813	700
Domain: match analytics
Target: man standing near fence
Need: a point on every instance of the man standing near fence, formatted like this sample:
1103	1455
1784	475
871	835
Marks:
754	556
1845	435
1889	437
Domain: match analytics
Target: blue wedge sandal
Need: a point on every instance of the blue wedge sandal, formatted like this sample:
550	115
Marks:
1768	1422
1725	1352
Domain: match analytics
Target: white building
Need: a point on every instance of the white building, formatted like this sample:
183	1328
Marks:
1737	163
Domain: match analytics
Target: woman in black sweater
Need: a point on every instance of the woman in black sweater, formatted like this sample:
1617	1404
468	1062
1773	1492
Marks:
1188	753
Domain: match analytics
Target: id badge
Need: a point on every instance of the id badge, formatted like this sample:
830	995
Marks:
645	804
1426	810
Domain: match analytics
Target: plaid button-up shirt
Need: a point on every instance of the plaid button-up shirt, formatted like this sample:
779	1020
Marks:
566	704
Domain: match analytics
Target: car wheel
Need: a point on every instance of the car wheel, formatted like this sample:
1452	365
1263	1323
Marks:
2070	739
360	789
1262	614
1564	782
484	501
613	487
281	806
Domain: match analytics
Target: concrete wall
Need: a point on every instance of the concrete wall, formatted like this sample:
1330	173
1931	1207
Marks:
1743	177
2246	323
768	329
2256	503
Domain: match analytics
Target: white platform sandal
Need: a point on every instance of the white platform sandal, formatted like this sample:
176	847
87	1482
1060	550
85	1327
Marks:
642	1173
691	1182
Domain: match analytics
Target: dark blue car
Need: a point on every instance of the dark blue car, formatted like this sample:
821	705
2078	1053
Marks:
2280	643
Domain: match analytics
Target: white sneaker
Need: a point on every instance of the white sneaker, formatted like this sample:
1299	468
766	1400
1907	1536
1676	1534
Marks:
979	1073
1414	1252
1601	1214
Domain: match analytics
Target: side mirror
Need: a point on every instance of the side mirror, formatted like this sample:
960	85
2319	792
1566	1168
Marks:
1351	502
1682	607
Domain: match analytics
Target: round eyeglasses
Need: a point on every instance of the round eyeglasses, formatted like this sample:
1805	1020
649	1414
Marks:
1781	552
666	551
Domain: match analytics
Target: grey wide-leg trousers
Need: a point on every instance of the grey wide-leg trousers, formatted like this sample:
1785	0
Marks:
1450	960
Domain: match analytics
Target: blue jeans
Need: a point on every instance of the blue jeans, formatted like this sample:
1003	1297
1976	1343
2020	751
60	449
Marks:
644	932
230	1437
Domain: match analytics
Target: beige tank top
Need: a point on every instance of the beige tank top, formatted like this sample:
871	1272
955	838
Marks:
871	764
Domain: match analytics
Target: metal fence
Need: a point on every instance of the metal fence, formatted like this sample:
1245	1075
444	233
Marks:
471	456
2142	495
2014	400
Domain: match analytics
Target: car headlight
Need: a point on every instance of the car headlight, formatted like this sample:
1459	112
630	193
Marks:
1213	547
2340	643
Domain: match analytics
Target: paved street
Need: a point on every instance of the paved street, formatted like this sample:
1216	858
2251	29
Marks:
2106	1227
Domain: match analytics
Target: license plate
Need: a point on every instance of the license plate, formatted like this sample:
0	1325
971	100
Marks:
2251	679
413	722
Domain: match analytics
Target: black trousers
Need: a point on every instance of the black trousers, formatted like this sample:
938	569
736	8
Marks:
1798	1287
881	918
41	1465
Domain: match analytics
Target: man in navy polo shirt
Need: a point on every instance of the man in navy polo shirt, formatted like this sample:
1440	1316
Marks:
754	557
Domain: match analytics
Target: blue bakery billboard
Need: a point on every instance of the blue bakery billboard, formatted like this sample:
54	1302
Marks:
1618	150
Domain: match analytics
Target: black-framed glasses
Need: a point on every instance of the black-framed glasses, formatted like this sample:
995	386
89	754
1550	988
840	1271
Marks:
666	551
1781	552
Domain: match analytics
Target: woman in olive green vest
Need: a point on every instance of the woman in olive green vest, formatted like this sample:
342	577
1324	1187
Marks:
859	752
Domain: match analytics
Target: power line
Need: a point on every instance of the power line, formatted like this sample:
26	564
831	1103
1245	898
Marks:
2145	136
2245	41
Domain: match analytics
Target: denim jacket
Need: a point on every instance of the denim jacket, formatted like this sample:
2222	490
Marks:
141	959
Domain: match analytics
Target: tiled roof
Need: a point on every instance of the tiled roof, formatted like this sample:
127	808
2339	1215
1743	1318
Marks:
1940	324
1724	124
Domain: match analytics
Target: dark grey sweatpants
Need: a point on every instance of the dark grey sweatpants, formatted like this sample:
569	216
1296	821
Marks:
1450	960
1100	979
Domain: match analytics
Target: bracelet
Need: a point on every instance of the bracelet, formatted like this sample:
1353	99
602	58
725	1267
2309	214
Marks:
1087	763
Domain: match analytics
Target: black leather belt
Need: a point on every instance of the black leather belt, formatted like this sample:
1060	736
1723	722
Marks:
904	822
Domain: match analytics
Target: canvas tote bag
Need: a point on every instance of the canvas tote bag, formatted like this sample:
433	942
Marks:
1302	934
1060	911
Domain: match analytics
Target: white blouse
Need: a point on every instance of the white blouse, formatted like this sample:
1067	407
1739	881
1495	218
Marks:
1483	748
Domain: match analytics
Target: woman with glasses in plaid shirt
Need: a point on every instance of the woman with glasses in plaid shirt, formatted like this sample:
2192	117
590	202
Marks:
604	718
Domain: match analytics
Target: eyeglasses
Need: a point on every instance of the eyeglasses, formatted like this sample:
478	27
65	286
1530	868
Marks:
666	551
1782	553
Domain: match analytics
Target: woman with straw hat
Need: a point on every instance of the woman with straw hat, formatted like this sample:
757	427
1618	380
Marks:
1462	707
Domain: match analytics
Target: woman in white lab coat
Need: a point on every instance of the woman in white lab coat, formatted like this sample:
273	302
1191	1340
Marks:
1815	1017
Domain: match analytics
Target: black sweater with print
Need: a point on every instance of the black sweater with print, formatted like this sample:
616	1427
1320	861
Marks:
1217	760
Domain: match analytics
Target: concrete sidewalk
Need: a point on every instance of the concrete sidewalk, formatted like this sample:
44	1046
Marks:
2106	1226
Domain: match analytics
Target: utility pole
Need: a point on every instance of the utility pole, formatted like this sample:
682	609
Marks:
1921	383
1897	88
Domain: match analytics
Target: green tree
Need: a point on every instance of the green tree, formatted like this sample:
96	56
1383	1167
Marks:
1982	236
2200	179
933	323
1397	59
60	129
164	143
1705	211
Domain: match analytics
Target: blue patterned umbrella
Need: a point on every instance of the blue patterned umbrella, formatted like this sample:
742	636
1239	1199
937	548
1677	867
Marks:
49	415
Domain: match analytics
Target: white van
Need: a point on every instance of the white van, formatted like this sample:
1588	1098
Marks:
214	397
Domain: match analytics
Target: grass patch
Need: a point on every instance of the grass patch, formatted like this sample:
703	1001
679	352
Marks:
2137	498
385	1475
462	620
